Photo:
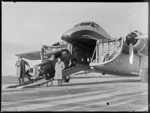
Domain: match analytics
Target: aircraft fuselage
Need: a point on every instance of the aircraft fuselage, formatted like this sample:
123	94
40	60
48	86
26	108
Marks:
106	55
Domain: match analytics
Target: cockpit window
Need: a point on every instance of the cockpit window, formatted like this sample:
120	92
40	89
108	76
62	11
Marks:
97	26
77	25
92	24
86	24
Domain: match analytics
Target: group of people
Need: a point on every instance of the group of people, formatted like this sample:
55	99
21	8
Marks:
21	69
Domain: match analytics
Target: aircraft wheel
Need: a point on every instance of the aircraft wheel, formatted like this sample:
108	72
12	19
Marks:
67	78
73	62
49	73
103	73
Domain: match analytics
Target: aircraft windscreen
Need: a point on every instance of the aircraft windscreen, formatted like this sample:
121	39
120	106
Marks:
85	24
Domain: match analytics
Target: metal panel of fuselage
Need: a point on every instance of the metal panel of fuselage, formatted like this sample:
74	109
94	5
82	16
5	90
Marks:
84	36
86	30
120	66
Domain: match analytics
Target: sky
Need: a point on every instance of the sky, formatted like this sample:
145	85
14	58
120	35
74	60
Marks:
27	25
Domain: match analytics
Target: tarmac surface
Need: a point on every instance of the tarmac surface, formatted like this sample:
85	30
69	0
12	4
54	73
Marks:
84	92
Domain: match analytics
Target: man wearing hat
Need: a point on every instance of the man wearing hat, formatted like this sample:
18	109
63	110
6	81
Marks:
20	72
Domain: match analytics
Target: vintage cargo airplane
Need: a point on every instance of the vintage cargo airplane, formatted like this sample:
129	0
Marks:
90	45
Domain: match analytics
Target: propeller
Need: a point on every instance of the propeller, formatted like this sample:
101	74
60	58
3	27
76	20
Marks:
131	40
142	36
131	53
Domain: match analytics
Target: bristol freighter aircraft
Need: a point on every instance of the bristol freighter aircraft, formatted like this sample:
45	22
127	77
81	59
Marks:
87	45
120	56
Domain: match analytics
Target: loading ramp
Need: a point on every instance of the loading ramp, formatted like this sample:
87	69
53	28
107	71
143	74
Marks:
40	81
76	69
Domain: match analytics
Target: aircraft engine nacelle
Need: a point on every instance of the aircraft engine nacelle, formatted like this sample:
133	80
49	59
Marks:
138	44
141	46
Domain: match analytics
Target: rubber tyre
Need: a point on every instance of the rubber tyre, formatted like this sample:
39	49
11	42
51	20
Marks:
103	73
66	79
73	62
49	73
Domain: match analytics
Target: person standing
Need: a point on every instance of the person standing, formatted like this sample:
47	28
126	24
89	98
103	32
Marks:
59	67
20	72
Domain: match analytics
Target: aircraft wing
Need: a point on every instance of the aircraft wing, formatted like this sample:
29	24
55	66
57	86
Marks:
30	55
36	54
44	63
56	52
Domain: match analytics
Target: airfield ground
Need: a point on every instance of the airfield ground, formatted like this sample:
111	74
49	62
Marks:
91	92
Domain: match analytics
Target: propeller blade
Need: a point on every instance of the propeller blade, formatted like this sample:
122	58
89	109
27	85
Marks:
142	36
131	54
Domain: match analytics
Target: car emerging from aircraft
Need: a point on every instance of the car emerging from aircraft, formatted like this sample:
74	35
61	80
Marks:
87	45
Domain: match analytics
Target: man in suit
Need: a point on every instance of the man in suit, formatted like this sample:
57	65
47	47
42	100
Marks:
20	72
